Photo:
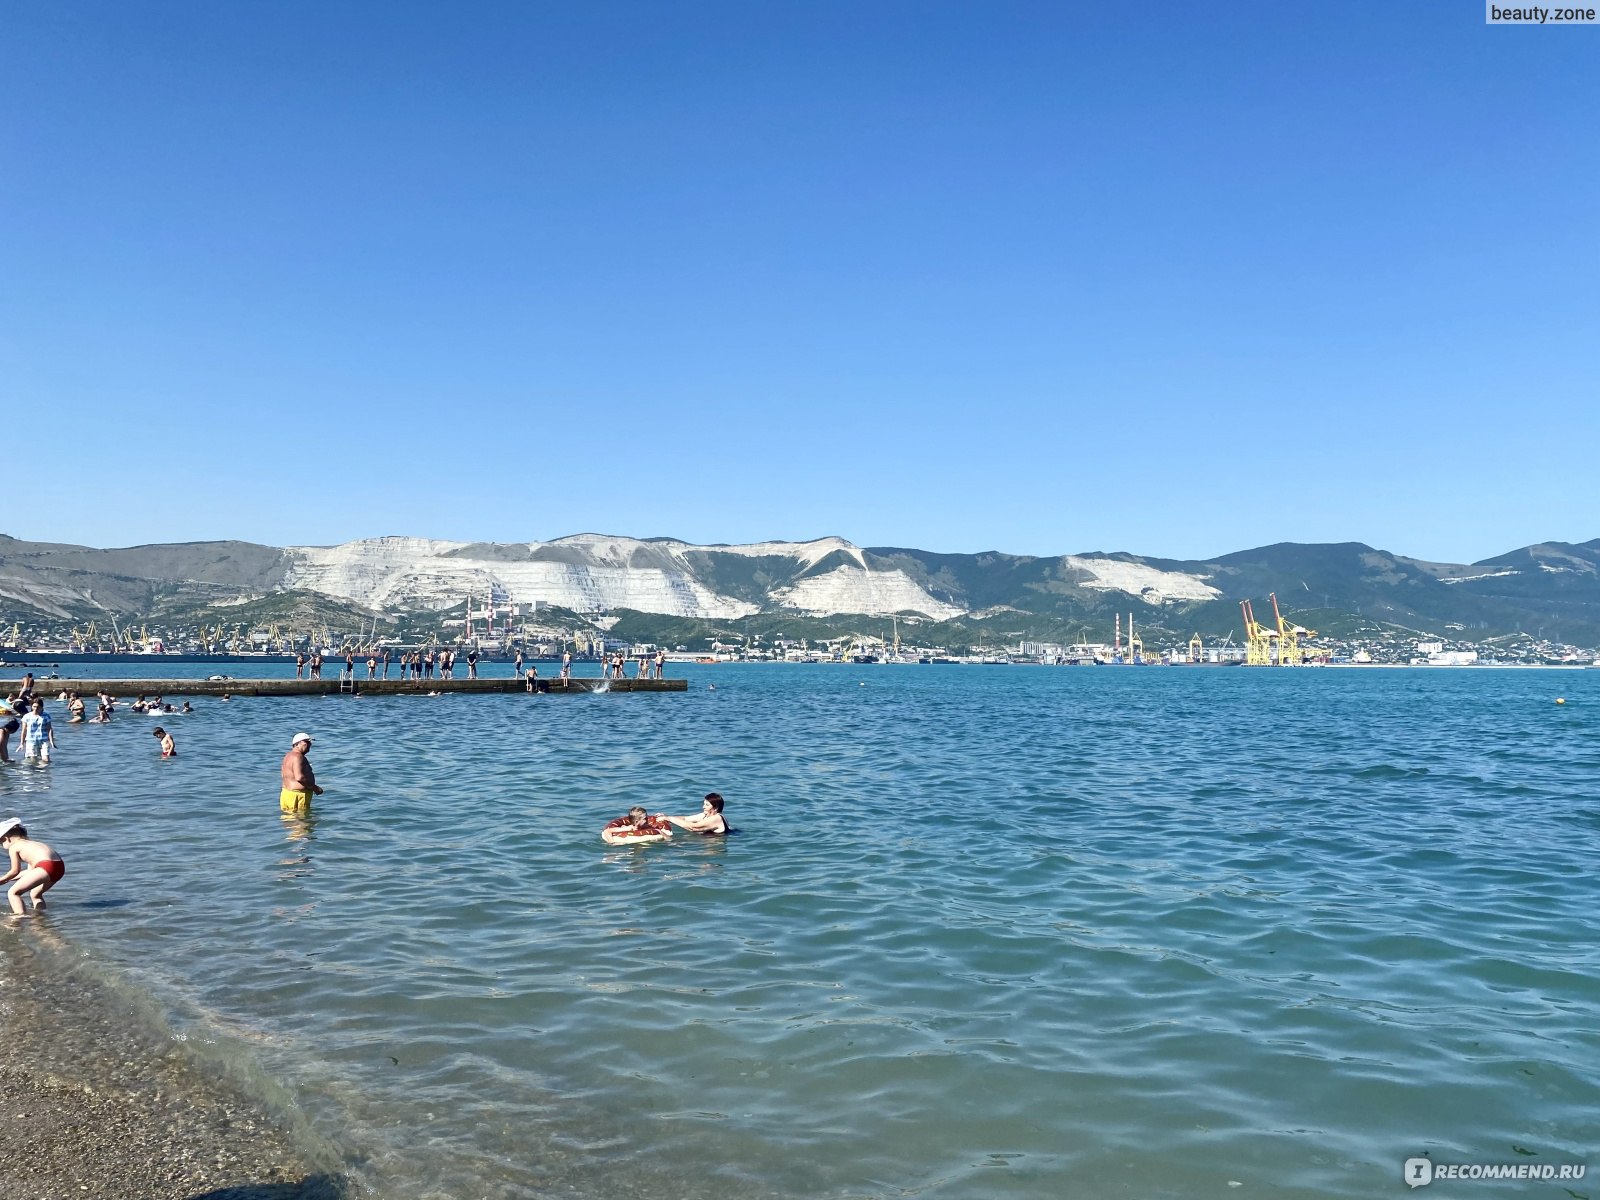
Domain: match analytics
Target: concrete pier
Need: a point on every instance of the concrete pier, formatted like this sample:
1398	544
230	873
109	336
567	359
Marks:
335	687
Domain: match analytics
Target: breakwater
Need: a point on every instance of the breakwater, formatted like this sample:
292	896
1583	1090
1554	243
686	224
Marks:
336	686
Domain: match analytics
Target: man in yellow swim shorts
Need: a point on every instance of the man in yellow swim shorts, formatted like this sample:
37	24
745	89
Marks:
299	780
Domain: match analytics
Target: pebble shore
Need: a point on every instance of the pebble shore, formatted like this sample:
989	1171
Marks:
94	1102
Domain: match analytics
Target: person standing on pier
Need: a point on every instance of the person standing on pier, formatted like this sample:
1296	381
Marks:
661	662
372	666
386	662
518	669
566	664
472	663
300	664
299	781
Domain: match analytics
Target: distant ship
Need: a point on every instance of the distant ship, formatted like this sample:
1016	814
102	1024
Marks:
45	657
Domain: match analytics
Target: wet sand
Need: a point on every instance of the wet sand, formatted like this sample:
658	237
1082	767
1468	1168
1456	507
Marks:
96	1101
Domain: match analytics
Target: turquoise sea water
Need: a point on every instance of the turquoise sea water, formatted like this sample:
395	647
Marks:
985	932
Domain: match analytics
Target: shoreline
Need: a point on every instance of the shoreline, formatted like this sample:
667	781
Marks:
97	1101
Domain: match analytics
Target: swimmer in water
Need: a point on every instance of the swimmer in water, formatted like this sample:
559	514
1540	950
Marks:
709	820
169	749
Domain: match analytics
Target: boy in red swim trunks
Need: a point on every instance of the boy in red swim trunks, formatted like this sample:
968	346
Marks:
35	867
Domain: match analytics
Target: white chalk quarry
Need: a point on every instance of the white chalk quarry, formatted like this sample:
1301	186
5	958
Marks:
1149	583
853	590
589	573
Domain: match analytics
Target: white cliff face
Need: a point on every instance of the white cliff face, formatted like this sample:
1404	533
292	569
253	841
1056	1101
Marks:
597	572
620	549
419	573
1150	584
853	590
590	573
378	572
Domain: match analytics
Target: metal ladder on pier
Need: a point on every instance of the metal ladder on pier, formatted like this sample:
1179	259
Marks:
347	683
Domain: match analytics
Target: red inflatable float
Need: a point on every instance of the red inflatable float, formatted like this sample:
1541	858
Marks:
635	829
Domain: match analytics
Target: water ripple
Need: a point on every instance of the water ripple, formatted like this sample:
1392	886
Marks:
984	933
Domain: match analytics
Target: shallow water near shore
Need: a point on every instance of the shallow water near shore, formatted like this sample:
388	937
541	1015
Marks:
985	932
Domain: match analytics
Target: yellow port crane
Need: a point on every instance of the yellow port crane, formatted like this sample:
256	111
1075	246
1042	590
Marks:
1258	639
1289	635
1196	649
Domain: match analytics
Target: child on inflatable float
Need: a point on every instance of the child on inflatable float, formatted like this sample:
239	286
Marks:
636	828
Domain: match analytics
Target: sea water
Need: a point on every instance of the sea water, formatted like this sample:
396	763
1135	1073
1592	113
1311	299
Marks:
983	931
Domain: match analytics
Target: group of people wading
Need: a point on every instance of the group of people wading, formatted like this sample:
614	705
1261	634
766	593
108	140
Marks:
298	785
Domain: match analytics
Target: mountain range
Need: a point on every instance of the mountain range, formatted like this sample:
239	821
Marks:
1550	590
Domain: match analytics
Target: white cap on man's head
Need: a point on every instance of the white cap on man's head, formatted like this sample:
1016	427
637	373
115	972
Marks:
9	824
298	738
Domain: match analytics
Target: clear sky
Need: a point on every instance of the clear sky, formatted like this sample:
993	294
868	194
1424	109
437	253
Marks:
1172	278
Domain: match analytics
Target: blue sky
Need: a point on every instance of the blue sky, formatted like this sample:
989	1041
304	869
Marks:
1170	278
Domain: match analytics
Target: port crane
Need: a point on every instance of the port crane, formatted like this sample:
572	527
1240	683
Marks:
1289	635
1196	649
1258	638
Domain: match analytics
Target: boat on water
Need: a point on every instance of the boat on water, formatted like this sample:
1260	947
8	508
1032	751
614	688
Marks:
46	656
